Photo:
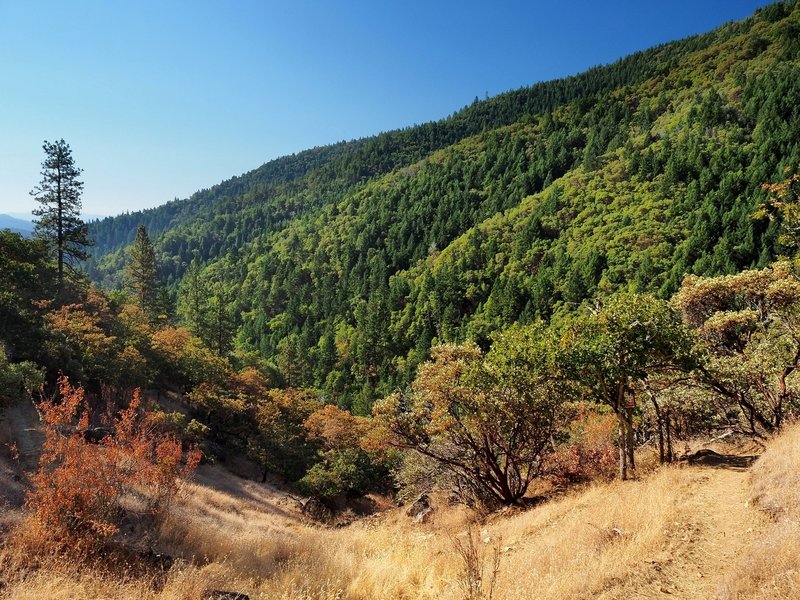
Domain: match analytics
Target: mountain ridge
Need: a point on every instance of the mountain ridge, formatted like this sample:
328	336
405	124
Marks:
361	260
14	224
535	99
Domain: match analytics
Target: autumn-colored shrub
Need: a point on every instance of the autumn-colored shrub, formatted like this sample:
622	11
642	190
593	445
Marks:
590	451
90	478
345	465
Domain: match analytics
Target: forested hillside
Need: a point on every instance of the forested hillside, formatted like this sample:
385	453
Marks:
342	265
567	282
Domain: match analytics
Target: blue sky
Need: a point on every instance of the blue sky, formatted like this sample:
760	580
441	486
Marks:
159	99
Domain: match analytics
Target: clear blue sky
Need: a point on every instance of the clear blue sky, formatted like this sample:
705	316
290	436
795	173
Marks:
160	98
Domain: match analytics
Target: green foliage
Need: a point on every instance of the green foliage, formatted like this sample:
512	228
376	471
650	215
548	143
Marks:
347	263
489	420
348	463
206	306
17	380
783	205
143	279
185	360
340	472
545	223
26	282
748	324
619	345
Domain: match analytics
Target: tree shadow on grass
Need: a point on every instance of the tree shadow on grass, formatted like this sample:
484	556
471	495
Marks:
709	458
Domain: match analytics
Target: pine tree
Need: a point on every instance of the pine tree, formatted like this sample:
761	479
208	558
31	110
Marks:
59	191
143	274
222	320
193	300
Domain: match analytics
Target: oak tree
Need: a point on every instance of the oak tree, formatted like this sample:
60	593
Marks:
619	346
489	419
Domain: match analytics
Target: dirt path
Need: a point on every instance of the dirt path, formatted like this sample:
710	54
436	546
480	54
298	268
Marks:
716	523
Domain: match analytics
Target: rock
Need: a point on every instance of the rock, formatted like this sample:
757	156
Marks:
223	595
421	504
423	516
420	509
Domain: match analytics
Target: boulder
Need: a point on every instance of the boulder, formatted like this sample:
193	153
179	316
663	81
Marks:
315	508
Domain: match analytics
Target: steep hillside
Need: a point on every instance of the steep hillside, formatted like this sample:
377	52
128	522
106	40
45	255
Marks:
343	264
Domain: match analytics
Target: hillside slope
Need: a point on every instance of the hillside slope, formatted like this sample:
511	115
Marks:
715	529
344	264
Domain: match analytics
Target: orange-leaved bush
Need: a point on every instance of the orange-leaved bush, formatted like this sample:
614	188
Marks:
590	451
90	478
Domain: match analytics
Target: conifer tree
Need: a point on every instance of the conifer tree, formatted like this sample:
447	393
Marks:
143	274
193	300
59	191
222	321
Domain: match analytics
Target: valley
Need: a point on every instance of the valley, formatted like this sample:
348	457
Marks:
543	348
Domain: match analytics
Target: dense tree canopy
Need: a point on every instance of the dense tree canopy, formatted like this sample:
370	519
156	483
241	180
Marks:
477	299
143	278
626	341
750	325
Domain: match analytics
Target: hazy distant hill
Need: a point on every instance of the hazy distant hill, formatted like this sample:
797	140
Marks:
14	224
348	261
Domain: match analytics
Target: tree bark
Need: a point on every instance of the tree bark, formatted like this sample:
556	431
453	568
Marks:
623	455
630	443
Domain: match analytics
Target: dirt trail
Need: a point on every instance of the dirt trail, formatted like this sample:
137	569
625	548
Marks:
716	524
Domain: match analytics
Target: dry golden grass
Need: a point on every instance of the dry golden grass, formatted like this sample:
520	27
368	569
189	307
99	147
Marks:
681	531
770	567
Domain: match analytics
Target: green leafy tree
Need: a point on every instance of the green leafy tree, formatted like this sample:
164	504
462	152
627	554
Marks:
206	305
488	419
221	320
620	345
193	299
17	380
749	324
26	278
345	466
292	361
59	217
783	205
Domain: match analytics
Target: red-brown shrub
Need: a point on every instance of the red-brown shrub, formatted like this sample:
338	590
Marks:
77	492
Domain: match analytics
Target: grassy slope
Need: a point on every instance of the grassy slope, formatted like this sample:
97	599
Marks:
691	532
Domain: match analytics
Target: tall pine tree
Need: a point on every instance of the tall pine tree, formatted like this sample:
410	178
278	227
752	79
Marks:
143	275
60	222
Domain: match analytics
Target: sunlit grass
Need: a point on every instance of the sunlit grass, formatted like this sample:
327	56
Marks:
606	541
